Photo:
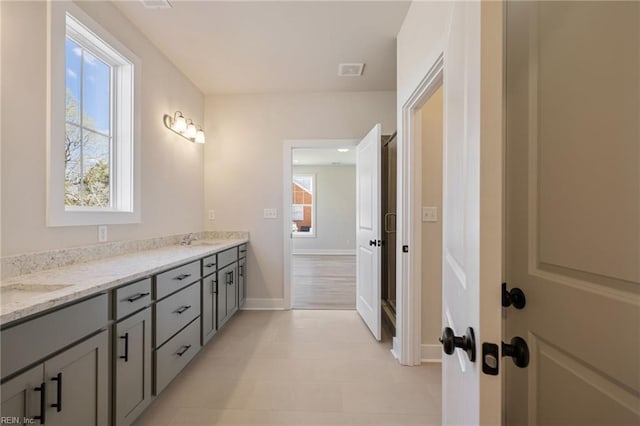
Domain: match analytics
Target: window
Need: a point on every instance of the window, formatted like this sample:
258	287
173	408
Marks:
93	161
303	206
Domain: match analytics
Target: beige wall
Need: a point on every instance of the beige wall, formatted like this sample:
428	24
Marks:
431	130
245	144
335	197
172	168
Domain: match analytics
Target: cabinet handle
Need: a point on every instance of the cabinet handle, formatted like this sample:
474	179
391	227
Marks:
230	278
137	297
182	309
242	270
182	277
126	347
58	404
43	401
214	286
209	265
182	352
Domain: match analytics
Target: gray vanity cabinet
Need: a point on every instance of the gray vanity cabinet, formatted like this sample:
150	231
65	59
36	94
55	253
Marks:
227	293
209	305
77	384
21	397
69	389
132	367
242	274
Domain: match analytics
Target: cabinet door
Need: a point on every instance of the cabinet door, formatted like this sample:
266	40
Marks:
242	281
21	398
209	315
77	383
132	366
232	289
221	299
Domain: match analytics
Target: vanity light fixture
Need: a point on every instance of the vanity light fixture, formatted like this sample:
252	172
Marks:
343	149
184	127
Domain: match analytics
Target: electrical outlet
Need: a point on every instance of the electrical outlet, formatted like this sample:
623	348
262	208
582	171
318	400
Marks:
212	215
102	233
270	213
429	214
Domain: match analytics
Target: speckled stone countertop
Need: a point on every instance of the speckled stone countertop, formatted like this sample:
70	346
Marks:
25	295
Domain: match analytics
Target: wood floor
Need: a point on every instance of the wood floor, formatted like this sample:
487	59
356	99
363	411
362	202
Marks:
323	282
298	367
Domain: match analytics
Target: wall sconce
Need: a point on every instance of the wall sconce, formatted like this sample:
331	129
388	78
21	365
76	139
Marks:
184	127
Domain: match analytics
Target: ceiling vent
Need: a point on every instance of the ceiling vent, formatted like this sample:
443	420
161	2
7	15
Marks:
156	4
350	70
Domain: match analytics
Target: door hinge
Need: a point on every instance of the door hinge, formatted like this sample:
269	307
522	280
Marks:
405	249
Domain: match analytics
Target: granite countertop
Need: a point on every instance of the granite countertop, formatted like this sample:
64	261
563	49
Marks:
29	294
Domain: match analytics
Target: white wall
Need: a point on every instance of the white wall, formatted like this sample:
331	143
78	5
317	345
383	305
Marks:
243	161
431	130
172	168
335	203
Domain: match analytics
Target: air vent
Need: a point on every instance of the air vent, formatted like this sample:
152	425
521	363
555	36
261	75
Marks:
156	4
350	70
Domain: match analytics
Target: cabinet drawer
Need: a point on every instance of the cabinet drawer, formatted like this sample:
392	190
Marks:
242	251
132	297
175	354
176	311
209	265
227	257
175	279
33	340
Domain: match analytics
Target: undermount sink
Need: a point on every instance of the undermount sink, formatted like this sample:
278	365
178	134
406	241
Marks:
16	292
204	243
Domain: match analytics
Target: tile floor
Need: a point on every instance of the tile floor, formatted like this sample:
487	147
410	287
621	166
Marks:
300	367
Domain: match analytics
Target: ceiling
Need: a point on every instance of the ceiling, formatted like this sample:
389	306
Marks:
275	46
323	157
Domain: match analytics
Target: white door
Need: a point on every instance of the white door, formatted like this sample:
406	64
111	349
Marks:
368	252
472	206
573	211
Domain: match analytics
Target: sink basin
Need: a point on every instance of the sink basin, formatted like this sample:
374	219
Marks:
17	292
205	243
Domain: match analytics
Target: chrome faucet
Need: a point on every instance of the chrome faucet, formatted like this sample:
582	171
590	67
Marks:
188	239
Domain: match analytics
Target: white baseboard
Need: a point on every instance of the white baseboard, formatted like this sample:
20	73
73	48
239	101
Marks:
263	304
395	349
430	353
324	252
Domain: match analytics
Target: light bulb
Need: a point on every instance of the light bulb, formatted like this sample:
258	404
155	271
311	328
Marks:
191	131
199	136
179	123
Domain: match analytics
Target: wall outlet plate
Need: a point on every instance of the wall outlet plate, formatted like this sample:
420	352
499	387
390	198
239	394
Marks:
102	233
212	215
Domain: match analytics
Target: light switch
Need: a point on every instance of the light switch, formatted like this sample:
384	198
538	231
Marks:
270	213
429	214
212	215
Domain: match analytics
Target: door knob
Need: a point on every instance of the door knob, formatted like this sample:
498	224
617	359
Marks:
467	342
514	297
375	243
518	350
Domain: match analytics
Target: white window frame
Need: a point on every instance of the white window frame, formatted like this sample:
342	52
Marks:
314	194
126	132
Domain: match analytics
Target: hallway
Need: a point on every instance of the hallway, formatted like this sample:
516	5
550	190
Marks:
301	367
323	282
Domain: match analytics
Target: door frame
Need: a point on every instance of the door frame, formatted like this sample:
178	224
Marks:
408	341
288	146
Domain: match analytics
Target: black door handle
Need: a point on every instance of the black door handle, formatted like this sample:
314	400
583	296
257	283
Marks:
58	404
214	286
514	297
375	243
230	278
182	277
182	309
184	350
467	342
518	350
137	297
43	402
126	347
